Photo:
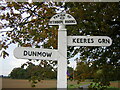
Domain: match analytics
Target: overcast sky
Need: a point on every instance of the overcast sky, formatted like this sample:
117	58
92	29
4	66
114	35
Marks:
9	63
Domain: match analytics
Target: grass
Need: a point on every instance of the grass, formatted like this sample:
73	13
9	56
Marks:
115	81
85	83
77	85
113	88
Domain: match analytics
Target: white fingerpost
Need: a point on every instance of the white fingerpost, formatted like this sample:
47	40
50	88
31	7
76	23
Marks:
62	60
60	55
62	19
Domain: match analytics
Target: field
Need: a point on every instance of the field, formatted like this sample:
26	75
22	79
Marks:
16	83
115	84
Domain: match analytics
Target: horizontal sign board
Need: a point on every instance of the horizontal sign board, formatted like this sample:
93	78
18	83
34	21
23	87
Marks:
89	41
35	53
62	18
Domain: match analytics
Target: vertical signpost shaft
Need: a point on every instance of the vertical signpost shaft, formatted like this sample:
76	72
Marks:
62	60
62	19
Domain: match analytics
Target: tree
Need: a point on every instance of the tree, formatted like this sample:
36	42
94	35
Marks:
83	71
70	73
29	23
40	71
95	19
18	73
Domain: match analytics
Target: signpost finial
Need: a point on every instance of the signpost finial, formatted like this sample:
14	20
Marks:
62	18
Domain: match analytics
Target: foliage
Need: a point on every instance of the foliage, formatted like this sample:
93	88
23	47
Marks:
43	72
29	23
34	80
18	73
97	86
83	71
35	73
77	85
101	75
70	73
96	19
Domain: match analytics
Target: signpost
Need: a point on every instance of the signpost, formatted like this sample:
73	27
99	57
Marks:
89	41
60	55
62	19
35	53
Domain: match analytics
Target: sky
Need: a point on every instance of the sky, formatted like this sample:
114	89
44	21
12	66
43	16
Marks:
9	63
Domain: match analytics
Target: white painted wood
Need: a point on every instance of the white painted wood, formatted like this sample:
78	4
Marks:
62	60
62	18
89	41
35	53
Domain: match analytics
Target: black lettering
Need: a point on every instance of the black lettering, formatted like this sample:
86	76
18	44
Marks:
78	40
99	40
92	41
62	17
69	16
39	54
44	54
58	21
85	40
30	53
56	16
49	54
81	40
25	53
74	40
34	53
104	40
89	40
69	21
54	22
107	40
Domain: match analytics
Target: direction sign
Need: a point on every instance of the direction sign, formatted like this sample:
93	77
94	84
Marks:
60	55
89	41
62	18
35	53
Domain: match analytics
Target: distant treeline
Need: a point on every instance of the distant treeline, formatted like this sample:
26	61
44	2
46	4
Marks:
2	76
43	71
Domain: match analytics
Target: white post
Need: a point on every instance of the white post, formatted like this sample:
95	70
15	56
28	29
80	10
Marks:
62	60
